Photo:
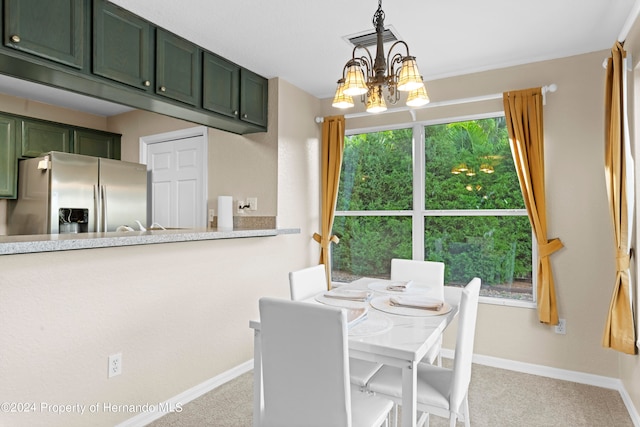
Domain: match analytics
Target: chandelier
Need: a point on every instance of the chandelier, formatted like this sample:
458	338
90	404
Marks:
367	77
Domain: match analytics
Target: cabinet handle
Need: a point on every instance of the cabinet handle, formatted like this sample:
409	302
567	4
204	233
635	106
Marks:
15	38
147	83
163	89
235	112
244	116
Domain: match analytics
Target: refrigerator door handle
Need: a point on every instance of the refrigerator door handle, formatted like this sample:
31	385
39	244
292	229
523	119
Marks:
96	206
105	221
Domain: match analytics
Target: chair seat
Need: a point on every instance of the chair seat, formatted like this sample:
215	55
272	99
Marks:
361	371
368	410
433	384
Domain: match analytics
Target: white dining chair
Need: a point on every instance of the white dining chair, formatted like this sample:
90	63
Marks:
424	273
310	281
307	282
305	369
440	391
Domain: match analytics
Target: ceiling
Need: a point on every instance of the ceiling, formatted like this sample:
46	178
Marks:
303	42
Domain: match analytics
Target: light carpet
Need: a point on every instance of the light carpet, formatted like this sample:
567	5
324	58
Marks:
497	397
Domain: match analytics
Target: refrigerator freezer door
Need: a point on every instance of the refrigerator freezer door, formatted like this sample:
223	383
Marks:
72	186
124	189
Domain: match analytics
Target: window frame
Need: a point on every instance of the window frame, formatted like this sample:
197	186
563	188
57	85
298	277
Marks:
418	213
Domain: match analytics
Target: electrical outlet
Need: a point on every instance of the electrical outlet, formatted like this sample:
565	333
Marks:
253	203
115	365
561	327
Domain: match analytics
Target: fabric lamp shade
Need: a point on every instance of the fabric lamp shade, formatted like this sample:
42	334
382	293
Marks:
409	78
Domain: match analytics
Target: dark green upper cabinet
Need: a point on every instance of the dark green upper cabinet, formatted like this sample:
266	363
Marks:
253	98
178	68
122	46
234	91
96	144
220	86
41	137
51	29
8	159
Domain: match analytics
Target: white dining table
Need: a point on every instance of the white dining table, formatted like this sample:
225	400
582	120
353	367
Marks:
400	340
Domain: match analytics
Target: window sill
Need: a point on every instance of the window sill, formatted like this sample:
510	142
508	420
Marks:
507	302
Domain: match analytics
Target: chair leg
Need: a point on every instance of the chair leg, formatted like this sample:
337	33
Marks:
423	421
465	411
439	359
452	420
393	416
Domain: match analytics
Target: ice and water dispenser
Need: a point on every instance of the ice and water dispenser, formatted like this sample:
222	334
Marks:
73	220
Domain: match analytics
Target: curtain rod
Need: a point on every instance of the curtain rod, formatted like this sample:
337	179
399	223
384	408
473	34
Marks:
549	88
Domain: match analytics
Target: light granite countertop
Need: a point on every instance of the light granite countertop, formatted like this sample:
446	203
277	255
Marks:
63	242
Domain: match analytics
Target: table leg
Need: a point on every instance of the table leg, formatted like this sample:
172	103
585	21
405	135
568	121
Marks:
409	391
258	403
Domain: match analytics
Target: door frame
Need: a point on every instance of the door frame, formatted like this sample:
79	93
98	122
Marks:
198	131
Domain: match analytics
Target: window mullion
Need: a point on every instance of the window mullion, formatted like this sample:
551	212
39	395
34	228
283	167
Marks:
417	229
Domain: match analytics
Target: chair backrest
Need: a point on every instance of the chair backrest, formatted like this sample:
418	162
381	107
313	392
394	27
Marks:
430	273
464	343
304	364
307	282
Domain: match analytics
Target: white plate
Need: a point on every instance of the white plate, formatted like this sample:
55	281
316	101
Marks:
382	304
337	302
382	287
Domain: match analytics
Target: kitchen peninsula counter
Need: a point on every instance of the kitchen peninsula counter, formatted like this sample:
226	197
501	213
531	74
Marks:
63	242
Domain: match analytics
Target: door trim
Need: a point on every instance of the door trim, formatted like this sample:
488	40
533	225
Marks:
198	131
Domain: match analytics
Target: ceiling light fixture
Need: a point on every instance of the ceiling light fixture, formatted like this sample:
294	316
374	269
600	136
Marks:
397	73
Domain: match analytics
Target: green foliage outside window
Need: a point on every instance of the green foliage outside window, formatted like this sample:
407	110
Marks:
468	168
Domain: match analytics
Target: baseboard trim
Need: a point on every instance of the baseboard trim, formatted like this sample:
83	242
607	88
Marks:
559	374
187	396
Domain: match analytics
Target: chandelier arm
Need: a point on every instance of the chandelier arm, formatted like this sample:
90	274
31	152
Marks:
397	57
366	60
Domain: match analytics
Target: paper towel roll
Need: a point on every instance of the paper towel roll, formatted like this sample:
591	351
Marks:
225	213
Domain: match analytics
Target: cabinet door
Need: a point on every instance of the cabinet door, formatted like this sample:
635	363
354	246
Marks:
220	86
177	68
39	138
96	144
51	29
8	159
122	46
253	98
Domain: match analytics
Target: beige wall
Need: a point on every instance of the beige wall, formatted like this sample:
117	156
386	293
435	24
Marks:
179	312
576	206
630	365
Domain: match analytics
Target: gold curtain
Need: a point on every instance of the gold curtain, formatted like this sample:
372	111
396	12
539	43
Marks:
523	111
332	149
619	331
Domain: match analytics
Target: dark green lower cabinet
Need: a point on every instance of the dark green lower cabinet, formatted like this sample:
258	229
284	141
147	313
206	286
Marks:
96	144
8	159
41	137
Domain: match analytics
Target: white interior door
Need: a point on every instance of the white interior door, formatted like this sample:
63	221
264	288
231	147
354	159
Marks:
176	163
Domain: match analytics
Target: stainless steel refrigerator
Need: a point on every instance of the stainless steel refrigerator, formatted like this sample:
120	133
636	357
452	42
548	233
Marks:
72	193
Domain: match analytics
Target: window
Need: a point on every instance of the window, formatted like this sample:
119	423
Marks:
442	192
